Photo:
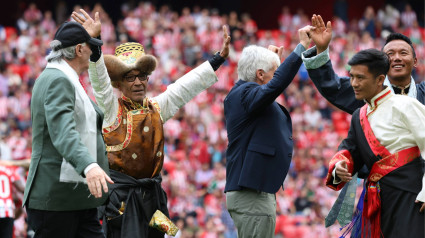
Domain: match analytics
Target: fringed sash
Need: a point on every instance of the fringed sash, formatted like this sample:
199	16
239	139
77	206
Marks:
371	215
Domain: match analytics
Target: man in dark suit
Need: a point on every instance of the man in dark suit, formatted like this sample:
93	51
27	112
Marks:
260	136
68	174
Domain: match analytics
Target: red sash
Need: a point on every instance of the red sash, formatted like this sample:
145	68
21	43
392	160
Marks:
371	216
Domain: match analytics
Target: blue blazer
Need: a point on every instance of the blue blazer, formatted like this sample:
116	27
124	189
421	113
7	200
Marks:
259	131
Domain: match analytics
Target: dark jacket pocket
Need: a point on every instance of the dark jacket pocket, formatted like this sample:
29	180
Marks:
263	149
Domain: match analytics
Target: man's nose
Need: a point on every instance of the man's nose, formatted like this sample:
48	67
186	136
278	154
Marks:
395	57
354	82
138	81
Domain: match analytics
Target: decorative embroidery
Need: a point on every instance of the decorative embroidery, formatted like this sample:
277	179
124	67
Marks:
375	145
376	101
117	122
127	139
393	161
342	155
127	136
156	106
375	177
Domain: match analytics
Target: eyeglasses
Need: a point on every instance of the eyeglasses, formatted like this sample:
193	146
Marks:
132	78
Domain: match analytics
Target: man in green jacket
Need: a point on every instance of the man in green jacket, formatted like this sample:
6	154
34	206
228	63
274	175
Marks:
68	173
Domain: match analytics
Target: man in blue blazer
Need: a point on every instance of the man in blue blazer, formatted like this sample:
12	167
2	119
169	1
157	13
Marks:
260	136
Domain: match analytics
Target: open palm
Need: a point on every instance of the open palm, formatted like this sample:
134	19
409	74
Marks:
93	27
321	34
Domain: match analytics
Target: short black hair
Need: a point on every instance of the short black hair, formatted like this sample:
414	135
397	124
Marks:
399	36
376	61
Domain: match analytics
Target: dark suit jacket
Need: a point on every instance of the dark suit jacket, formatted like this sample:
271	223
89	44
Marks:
338	91
259	132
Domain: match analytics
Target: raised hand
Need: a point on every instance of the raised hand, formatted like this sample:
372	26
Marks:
93	27
277	50
321	34
304	35
224	52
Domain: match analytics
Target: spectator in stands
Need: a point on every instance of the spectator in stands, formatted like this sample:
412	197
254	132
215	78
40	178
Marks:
9	182
408	16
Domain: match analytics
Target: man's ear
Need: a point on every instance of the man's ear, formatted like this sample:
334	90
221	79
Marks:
78	50
381	79
259	74
119	85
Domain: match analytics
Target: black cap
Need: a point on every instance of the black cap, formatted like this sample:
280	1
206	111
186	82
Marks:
72	33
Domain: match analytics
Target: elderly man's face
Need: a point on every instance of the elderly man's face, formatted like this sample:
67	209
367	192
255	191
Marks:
134	85
84	52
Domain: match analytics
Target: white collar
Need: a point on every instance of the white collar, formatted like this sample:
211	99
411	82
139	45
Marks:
412	90
379	98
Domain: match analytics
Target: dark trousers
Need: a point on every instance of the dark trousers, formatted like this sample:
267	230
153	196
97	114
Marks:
65	224
6	227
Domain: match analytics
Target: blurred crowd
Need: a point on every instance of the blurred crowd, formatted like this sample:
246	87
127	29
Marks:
194	168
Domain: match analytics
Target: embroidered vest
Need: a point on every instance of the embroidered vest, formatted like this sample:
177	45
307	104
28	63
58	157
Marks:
135	142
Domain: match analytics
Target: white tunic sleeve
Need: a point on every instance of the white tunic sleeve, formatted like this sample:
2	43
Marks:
184	89
413	114
103	91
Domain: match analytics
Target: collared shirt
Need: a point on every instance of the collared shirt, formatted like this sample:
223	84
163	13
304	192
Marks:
401	90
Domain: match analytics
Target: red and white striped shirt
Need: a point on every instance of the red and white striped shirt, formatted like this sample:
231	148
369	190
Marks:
7	177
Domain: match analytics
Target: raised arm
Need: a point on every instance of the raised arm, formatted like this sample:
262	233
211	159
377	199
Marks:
99	78
321	34
192	83
254	98
337	90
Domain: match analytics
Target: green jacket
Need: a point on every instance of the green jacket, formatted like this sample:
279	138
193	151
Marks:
55	138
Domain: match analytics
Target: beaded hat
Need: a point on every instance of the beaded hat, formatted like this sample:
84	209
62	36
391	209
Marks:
129	56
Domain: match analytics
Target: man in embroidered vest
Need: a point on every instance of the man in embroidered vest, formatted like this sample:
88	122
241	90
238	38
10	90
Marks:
133	130
388	136
68	173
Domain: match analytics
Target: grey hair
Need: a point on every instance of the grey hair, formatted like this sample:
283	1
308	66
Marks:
253	58
57	53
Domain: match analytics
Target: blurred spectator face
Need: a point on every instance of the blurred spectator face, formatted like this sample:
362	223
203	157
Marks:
364	83
134	87
402	60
